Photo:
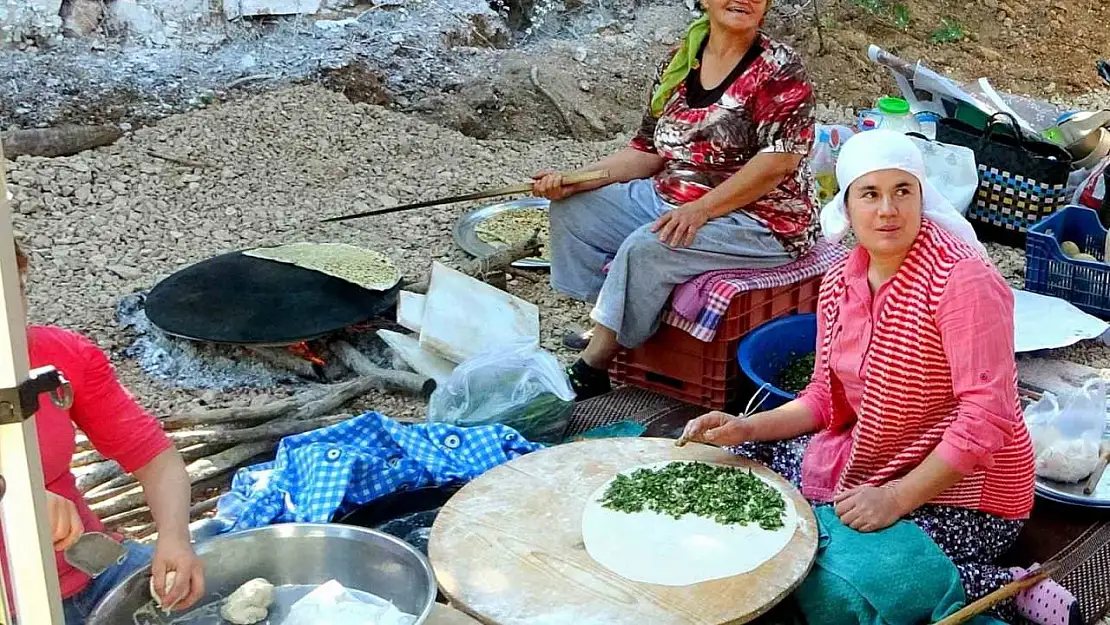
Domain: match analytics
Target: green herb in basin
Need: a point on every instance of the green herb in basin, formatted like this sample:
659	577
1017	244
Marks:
726	495
795	377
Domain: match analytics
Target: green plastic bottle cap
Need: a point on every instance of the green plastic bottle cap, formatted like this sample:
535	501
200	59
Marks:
893	106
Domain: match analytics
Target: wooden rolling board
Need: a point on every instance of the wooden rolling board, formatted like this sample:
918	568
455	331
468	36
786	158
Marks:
443	615
508	548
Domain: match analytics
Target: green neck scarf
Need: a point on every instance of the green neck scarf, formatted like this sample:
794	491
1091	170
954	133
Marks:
683	61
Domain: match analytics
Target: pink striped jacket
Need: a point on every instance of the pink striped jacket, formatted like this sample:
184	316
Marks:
908	401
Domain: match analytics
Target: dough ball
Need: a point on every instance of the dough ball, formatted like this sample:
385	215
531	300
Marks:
250	603
1069	248
171	577
243	614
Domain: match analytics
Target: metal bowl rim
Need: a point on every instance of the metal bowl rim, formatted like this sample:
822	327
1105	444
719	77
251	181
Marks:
425	564
477	215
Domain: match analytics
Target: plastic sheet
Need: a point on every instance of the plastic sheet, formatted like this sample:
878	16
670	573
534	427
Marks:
333	604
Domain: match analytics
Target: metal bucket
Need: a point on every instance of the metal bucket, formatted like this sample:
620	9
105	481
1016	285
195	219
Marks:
296	554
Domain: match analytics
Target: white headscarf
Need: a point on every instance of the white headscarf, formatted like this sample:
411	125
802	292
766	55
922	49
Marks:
876	150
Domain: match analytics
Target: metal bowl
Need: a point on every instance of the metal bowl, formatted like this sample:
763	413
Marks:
466	230
296	554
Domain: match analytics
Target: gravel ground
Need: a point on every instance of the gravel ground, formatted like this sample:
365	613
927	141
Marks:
109	222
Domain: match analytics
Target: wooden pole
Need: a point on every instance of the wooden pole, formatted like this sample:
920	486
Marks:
23	513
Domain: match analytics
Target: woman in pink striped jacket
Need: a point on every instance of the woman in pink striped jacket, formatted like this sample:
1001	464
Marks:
912	412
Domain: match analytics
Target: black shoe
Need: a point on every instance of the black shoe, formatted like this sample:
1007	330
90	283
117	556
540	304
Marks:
588	382
577	339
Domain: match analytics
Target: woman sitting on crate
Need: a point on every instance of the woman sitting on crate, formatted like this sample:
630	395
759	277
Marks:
912	411
122	431
714	179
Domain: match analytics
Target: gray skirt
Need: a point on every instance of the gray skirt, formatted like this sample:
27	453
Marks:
613	223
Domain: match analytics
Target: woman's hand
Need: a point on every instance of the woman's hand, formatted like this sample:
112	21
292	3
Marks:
176	555
718	428
868	508
679	226
65	524
549	184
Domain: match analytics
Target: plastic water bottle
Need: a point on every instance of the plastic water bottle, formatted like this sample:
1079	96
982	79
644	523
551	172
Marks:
889	114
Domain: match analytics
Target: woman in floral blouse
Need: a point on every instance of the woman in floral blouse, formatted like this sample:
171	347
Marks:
714	179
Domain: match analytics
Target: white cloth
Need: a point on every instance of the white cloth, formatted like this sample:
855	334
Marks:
877	150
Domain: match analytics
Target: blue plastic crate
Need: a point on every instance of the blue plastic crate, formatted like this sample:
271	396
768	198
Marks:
768	349
1049	271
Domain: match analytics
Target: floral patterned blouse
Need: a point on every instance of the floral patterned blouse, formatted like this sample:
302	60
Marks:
768	107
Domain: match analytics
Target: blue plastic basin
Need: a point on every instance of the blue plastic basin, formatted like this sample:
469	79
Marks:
768	349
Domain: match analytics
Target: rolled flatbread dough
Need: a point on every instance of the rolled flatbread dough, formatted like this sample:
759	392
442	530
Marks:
366	268
653	548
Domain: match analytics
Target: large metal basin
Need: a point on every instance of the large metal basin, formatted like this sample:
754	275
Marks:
296	553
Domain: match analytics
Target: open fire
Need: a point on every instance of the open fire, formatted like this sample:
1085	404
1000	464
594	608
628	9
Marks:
204	365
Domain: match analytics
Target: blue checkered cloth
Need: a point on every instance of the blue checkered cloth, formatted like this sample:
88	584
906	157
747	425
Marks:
334	469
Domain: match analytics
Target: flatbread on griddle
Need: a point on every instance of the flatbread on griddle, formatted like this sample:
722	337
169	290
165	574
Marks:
366	268
516	226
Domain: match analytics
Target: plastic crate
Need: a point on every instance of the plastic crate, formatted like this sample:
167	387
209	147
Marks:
1049	271
768	349
677	365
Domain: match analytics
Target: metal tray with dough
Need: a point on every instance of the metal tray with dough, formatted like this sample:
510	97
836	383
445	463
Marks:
466	229
1072	494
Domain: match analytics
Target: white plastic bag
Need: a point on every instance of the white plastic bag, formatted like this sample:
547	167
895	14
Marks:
1066	432
952	170
519	385
333	604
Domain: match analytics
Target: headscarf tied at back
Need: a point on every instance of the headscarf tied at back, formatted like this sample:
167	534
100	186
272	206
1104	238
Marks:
877	150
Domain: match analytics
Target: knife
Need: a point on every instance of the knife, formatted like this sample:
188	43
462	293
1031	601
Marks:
94	553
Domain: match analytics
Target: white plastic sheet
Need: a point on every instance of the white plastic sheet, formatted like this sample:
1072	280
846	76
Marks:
1069	324
333	604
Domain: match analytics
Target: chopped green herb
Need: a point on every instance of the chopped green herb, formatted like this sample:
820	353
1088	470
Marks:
795	377
728	496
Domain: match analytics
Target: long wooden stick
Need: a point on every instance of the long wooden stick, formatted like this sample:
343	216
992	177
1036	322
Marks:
401	380
1009	590
199	470
264	412
569	179
266	432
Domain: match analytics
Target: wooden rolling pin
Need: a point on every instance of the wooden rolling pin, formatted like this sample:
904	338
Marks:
568	179
1009	590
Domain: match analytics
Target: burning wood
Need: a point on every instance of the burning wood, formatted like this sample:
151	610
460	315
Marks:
305	351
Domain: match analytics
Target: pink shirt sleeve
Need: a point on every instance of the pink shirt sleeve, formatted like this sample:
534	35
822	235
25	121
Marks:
817	396
103	409
975	317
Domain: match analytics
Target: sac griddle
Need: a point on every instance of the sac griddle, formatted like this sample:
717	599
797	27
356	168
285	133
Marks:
238	299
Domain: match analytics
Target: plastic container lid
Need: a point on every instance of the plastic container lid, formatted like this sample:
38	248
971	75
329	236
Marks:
894	106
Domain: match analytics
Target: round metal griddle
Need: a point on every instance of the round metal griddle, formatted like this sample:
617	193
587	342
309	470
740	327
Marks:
239	299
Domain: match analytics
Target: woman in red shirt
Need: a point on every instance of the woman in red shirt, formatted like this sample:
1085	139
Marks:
716	178
122	431
912	412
